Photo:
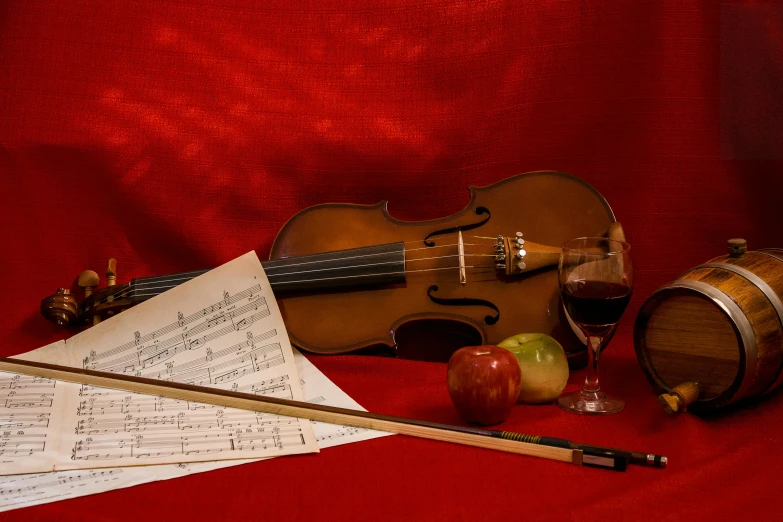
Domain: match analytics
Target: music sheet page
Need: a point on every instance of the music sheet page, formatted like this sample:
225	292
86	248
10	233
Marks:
222	329
19	491
30	410
29	407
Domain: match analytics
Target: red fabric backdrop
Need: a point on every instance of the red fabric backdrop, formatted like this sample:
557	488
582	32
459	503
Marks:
176	135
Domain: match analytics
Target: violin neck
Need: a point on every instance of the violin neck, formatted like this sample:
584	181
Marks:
373	265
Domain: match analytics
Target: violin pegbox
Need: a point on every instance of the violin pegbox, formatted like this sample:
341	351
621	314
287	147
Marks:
63	308
106	302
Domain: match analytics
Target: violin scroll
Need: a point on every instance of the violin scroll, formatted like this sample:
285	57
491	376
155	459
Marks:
61	308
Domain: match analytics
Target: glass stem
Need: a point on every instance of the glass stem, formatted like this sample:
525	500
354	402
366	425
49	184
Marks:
593	350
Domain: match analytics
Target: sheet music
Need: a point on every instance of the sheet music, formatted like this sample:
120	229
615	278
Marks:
19	491
29	416
29	429
222	329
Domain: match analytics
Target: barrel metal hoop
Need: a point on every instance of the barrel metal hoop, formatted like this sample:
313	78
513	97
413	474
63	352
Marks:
732	309
771	252
756	280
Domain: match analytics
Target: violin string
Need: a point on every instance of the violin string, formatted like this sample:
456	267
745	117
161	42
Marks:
273	277
268	270
443	246
448	236
362	275
182	278
150	285
405	251
127	290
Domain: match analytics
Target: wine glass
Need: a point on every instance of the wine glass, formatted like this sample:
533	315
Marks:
596	282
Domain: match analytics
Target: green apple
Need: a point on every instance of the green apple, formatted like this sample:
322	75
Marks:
544	366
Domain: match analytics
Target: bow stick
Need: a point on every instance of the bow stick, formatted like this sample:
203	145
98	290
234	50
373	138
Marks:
535	446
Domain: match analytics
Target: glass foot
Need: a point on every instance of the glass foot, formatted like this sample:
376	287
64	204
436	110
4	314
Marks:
590	403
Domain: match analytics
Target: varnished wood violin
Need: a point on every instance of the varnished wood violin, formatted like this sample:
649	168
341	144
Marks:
351	277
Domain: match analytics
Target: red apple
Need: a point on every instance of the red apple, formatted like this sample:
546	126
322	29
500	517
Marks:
484	383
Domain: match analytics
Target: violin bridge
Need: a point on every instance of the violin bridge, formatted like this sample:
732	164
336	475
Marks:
463	278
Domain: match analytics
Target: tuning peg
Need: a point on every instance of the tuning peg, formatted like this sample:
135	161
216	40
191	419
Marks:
111	272
111	280
60	308
88	280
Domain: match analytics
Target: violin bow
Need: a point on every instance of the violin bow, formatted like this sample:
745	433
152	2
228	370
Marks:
511	442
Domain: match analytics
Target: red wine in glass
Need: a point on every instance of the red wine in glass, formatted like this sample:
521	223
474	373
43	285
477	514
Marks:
595	304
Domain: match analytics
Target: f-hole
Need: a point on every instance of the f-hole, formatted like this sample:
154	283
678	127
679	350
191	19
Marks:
465	301
479	211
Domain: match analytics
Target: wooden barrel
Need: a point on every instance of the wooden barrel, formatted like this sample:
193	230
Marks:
714	336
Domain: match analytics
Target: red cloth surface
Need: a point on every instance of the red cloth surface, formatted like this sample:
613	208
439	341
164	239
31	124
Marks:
177	135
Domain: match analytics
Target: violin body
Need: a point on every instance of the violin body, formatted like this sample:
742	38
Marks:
433	307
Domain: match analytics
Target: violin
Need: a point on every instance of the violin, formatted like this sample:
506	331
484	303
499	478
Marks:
351	278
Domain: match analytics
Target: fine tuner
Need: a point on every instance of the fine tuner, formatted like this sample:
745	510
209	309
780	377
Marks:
349	277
